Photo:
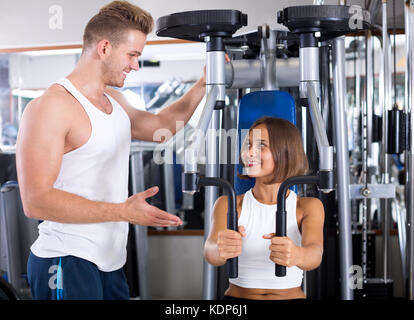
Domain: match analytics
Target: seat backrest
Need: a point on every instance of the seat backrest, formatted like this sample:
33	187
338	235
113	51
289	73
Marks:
253	106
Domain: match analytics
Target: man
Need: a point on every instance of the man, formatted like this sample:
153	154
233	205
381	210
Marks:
73	157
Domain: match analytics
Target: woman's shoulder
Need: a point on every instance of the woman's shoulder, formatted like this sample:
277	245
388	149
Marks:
221	205
223	200
309	204
240	198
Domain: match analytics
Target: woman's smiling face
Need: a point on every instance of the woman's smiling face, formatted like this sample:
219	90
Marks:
256	154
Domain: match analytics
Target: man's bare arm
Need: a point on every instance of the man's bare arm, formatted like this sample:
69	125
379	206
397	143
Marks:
40	148
145	124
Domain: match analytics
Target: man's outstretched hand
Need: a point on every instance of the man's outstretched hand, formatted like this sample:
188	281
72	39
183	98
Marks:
138	211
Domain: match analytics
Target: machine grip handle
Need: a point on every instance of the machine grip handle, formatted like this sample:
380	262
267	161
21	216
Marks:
280	271
233	265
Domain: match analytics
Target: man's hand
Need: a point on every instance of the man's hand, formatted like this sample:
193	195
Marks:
283	251
203	77
229	243
138	211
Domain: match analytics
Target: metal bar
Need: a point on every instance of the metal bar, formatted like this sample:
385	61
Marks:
385	179
308	70
376	191
410	216
317	121
191	153
369	76
211	195
402	239
363	109
344	203
409	154
356	111
168	178
268	58
216	92
325	151
247	73
141	237
374	8
243	74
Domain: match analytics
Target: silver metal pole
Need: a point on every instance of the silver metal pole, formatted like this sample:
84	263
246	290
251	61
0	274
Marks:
141	235
364	136
344	203
356	111
308	70
215	78
191	153
168	178
248	73
211	195
243	74
268	58
325	151
409	156
385	179
367	111
369	67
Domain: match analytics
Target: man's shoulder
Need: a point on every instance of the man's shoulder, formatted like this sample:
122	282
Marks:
57	92
55	107
55	98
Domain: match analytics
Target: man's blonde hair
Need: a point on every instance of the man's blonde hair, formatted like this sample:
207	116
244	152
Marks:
113	20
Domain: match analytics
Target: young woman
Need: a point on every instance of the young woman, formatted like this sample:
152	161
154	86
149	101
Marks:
272	152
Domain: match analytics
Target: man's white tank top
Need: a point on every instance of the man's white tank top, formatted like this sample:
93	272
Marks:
98	171
256	270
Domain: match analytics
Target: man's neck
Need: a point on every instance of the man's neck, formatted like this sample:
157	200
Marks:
86	77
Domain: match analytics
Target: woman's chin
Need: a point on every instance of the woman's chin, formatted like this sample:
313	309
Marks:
252	173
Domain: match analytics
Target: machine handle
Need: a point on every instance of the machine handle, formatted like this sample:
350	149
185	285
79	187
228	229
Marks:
9	185
233	263
231	213
280	271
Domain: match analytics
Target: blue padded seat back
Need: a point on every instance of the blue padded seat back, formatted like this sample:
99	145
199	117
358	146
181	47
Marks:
253	106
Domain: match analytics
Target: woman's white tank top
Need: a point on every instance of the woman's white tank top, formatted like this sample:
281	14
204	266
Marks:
98	171
256	270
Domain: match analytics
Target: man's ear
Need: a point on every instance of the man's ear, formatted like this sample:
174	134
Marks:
104	49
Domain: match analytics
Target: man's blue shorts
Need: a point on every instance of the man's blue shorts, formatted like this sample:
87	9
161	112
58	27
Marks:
73	278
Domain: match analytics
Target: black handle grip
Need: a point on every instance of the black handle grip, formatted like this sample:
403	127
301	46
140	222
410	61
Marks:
233	265
231	214
280	271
